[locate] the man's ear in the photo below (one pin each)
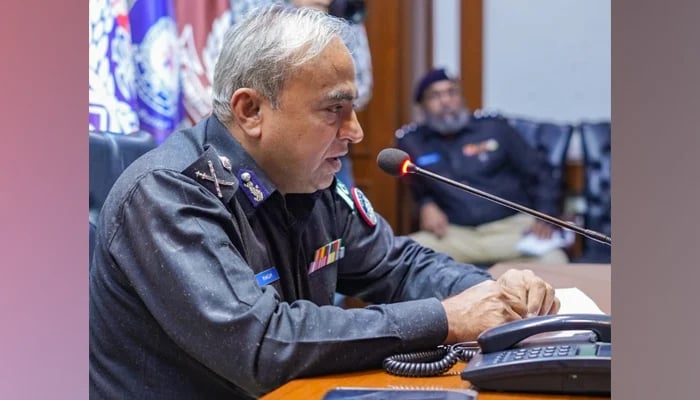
(246, 104)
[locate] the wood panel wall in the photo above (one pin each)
(471, 51)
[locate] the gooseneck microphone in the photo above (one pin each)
(397, 163)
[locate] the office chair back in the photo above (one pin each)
(549, 139)
(110, 154)
(596, 145)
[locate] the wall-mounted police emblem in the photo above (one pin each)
(112, 97)
(157, 62)
(364, 207)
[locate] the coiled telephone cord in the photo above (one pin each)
(430, 363)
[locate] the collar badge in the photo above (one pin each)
(255, 190)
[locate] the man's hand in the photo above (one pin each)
(433, 220)
(515, 295)
(541, 229)
(478, 308)
(532, 291)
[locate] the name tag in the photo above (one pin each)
(267, 277)
(427, 159)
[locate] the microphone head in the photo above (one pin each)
(392, 161)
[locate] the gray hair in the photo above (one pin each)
(266, 47)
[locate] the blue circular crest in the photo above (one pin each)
(364, 207)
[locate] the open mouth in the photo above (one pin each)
(335, 162)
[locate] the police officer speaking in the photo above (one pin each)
(218, 252)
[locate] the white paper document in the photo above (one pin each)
(532, 245)
(574, 301)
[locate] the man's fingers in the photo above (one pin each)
(535, 299)
(514, 314)
(515, 301)
(540, 298)
(547, 306)
(555, 306)
(515, 284)
(548, 303)
(527, 294)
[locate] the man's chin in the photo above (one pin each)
(320, 184)
(326, 183)
(448, 123)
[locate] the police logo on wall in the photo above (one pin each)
(158, 78)
(201, 47)
(112, 95)
(364, 207)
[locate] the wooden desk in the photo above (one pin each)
(592, 279)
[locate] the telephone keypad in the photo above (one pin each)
(534, 352)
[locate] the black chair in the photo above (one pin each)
(596, 145)
(110, 154)
(550, 139)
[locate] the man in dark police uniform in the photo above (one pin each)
(483, 151)
(218, 253)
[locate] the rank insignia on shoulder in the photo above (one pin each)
(405, 130)
(226, 163)
(344, 193)
(208, 171)
(211, 177)
(482, 113)
(364, 207)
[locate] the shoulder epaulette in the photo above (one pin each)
(482, 113)
(405, 130)
(213, 172)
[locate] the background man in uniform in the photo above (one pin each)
(483, 152)
(218, 253)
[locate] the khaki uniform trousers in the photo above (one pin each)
(488, 243)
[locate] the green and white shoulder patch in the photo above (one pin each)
(344, 193)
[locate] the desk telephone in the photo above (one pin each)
(508, 359)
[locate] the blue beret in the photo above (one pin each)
(428, 79)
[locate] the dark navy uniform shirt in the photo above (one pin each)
(208, 283)
(487, 154)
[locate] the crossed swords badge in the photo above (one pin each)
(212, 178)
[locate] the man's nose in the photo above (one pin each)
(351, 129)
(447, 102)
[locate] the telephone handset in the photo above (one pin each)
(574, 364)
(508, 358)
